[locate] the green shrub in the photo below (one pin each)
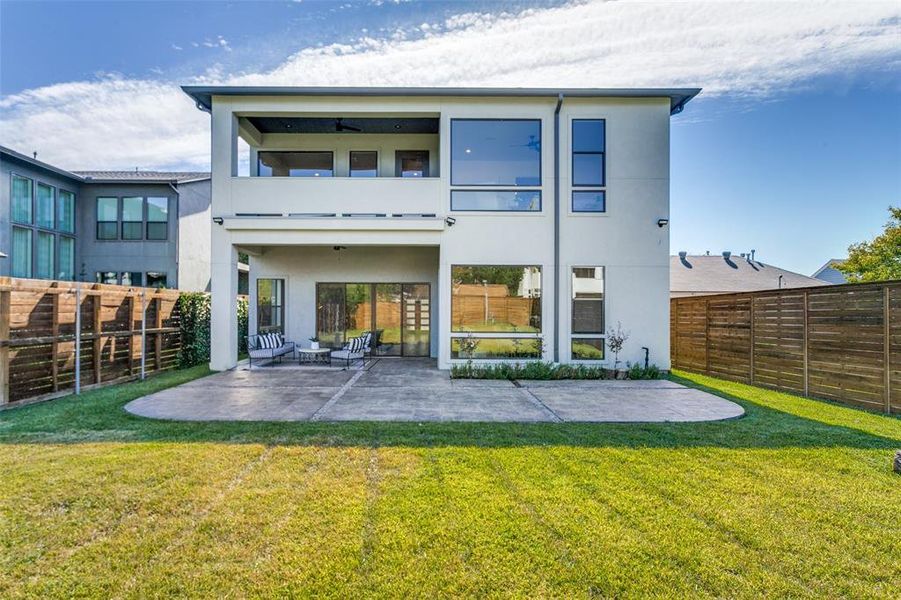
(194, 322)
(531, 370)
(637, 371)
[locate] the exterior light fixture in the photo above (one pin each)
(218, 220)
(662, 222)
(450, 221)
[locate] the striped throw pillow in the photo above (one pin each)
(275, 340)
(263, 342)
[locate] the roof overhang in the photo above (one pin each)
(203, 95)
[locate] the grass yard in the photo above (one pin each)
(795, 499)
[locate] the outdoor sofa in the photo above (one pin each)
(268, 346)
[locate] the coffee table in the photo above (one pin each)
(321, 356)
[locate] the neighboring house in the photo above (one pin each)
(727, 273)
(830, 273)
(459, 224)
(122, 227)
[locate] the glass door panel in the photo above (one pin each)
(330, 319)
(358, 308)
(416, 319)
(387, 340)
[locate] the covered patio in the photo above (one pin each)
(414, 390)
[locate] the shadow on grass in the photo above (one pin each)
(98, 416)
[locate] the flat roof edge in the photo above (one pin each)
(203, 95)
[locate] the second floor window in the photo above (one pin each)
(133, 218)
(107, 218)
(296, 164)
(22, 192)
(589, 167)
(364, 163)
(45, 206)
(411, 163)
(157, 218)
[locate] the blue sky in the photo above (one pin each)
(794, 149)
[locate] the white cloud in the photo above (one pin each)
(742, 49)
(177, 47)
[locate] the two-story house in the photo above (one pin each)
(461, 224)
(141, 228)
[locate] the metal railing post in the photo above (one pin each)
(143, 330)
(78, 338)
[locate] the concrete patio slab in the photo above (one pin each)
(414, 390)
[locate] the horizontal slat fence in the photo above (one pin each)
(839, 342)
(42, 322)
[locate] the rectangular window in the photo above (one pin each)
(157, 218)
(501, 152)
(44, 251)
(65, 211)
(21, 252)
(107, 218)
(270, 305)
(496, 200)
(22, 196)
(330, 314)
(156, 280)
(107, 277)
(587, 313)
(411, 163)
(45, 206)
(66, 267)
(589, 164)
(296, 164)
(594, 201)
(488, 348)
(132, 218)
(131, 278)
(496, 299)
(364, 164)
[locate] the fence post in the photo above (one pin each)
(98, 330)
(806, 345)
(751, 317)
(707, 337)
(4, 345)
(158, 340)
(54, 331)
(77, 338)
(887, 382)
(143, 331)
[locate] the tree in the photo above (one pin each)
(879, 259)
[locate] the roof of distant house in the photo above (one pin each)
(143, 176)
(110, 176)
(203, 95)
(831, 264)
(713, 274)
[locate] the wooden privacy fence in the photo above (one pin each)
(57, 336)
(840, 342)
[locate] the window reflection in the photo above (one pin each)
(495, 152)
(296, 164)
(364, 164)
(496, 299)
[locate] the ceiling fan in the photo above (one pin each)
(340, 126)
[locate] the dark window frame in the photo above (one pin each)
(97, 220)
(281, 305)
(540, 330)
(122, 221)
(330, 152)
(587, 335)
(74, 230)
(13, 175)
(587, 187)
(504, 185)
(148, 222)
(350, 163)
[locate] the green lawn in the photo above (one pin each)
(796, 499)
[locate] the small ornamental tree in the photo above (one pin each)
(616, 339)
(878, 259)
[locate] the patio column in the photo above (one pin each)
(224, 303)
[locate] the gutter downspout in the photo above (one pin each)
(177, 233)
(557, 228)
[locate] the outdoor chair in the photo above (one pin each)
(357, 348)
(268, 346)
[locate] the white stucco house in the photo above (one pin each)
(462, 224)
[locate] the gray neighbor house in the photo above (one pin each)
(140, 228)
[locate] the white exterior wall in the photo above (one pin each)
(626, 240)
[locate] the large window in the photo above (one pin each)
(22, 199)
(587, 341)
(65, 211)
(45, 206)
(132, 218)
(296, 164)
(589, 165)
(157, 218)
(496, 152)
(270, 305)
(495, 311)
(364, 163)
(21, 252)
(496, 200)
(66, 263)
(44, 254)
(107, 218)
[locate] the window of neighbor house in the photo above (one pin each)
(296, 164)
(45, 206)
(65, 211)
(132, 218)
(66, 263)
(21, 252)
(587, 342)
(22, 199)
(157, 218)
(107, 218)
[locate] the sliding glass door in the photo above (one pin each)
(398, 314)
